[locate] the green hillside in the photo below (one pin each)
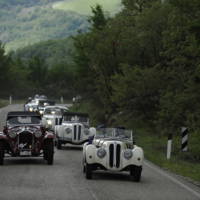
(27, 22)
(84, 6)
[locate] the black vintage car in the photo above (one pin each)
(24, 135)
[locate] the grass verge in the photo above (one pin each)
(3, 103)
(181, 163)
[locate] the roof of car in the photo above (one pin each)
(22, 113)
(76, 113)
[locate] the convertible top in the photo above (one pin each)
(75, 113)
(22, 113)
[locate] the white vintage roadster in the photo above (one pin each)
(74, 129)
(113, 149)
(53, 116)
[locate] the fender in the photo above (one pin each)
(3, 137)
(90, 153)
(138, 156)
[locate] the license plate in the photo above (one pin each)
(25, 153)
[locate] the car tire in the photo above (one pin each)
(88, 171)
(59, 145)
(49, 152)
(2, 152)
(84, 166)
(135, 173)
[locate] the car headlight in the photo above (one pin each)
(41, 112)
(68, 130)
(31, 109)
(38, 134)
(101, 153)
(86, 131)
(12, 134)
(128, 154)
(49, 122)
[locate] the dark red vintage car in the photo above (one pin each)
(24, 135)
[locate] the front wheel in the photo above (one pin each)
(59, 144)
(2, 152)
(49, 152)
(88, 171)
(135, 173)
(84, 163)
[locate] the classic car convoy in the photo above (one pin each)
(113, 149)
(35, 131)
(37, 104)
(74, 129)
(24, 135)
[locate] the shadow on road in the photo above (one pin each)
(24, 161)
(77, 148)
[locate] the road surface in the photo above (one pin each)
(33, 179)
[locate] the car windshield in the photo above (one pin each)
(53, 111)
(114, 133)
(19, 120)
(76, 118)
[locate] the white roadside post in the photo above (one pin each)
(10, 99)
(184, 139)
(61, 100)
(169, 146)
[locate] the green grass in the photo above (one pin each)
(3, 103)
(181, 163)
(84, 6)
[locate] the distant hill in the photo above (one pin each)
(84, 6)
(26, 22)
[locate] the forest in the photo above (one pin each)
(141, 66)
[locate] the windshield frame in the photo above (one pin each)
(17, 123)
(76, 119)
(114, 133)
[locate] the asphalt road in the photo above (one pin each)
(27, 179)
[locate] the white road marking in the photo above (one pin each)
(172, 179)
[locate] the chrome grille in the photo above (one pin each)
(57, 121)
(114, 155)
(77, 132)
(25, 138)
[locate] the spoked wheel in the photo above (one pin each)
(59, 144)
(88, 171)
(135, 173)
(2, 152)
(49, 152)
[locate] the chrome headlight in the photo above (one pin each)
(101, 153)
(38, 134)
(49, 122)
(31, 109)
(86, 131)
(128, 154)
(68, 130)
(12, 134)
(41, 112)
